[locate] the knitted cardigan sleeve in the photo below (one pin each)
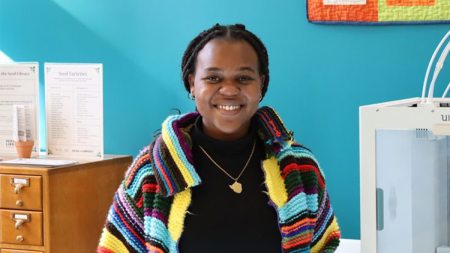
(326, 231)
(307, 221)
(124, 228)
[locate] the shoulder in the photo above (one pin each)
(302, 154)
(140, 169)
(296, 158)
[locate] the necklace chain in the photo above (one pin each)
(223, 170)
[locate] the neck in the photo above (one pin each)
(227, 146)
(226, 136)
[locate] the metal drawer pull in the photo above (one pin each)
(19, 183)
(17, 188)
(19, 203)
(20, 219)
(19, 223)
(19, 238)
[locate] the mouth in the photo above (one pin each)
(228, 107)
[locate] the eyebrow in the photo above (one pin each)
(214, 69)
(247, 69)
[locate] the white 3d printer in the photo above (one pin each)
(405, 171)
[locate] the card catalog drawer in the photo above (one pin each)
(20, 192)
(21, 227)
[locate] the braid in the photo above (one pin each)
(190, 55)
(236, 31)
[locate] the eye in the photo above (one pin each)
(245, 79)
(212, 79)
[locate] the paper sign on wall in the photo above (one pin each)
(19, 91)
(74, 109)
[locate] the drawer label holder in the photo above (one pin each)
(18, 183)
(20, 219)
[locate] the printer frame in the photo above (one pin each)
(407, 114)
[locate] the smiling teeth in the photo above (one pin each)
(228, 107)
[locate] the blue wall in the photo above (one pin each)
(320, 74)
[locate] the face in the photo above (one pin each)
(227, 87)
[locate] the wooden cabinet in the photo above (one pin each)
(57, 209)
(17, 251)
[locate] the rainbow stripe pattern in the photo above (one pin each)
(150, 206)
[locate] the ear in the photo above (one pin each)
(191, 83)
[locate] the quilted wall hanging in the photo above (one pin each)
(378, 11)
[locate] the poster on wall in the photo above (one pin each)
(378, 11)
(19, 88)
(74, 109)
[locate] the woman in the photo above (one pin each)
(229, 177)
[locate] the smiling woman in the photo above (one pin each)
(204, 184)
(227, 86)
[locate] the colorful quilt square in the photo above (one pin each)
(378, 11)
(411, 2)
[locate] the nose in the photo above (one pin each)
(229, 88)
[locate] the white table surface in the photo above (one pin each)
(349, 246)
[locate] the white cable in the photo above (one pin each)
(437, 70)
(431, 63)
(446, 90)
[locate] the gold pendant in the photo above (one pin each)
(236, 187)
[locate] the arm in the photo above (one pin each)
(326, 232)
(124, 228)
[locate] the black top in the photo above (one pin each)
(219, 219)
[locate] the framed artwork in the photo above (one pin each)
(378, 11)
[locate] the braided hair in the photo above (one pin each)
(237, 32)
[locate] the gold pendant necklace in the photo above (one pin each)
(235, 186)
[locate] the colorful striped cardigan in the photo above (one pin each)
(150, 206)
